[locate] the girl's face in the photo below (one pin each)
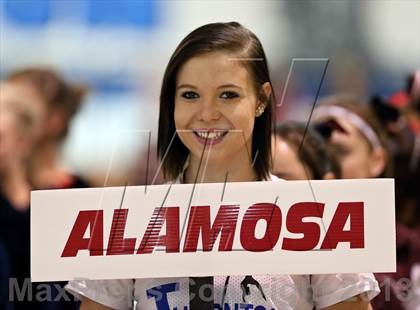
(286, 163)
(215, 104)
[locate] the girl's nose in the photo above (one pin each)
(209, 111)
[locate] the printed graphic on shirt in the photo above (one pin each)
(247, 295)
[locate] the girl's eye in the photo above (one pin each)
(229, 95)
(189, 95)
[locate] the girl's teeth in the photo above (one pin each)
(210, 135)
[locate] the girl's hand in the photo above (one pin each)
(89, 304)
(359, 302)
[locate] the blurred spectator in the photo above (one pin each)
(400, 115)
(360, 141)
(355, 136)
(62, 102)
(20, 128)
(300, 153)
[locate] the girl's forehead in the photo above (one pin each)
(216, 67)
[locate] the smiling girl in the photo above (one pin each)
(215, 126)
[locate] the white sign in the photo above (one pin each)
(287, 227)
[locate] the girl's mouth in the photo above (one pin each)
(210, 136)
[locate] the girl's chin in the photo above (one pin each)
(212, 157)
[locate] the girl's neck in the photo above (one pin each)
(216, 172)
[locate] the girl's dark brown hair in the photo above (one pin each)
(240, 42)
(310, 148)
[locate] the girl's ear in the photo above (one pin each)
(263, 98)
(265, 93)
(378, 161)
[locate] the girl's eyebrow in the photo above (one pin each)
(229, 85)
(186, 86)
(221, 86)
